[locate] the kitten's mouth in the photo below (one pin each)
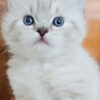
(41, 41)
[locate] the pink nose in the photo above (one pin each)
(42, 31)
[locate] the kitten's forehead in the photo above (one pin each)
(42, 9)
(36, 5)
(43, 3)
(48, 6)
(47, 3)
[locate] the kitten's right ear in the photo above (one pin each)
(10, 3)
(82, 3)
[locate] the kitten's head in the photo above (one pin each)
(43, 26)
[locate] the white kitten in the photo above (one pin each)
(49, 62)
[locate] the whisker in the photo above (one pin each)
(55, 37)
(29, 36)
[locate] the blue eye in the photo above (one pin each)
(58, 21)
(28, 20)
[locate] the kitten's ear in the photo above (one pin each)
(82, 3)
(11, 3)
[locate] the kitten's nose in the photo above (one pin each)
(42, 31)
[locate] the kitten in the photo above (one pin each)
(49, 62)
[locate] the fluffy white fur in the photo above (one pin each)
(62, 70)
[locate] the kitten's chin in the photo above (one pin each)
(42, 41)
(39, 50)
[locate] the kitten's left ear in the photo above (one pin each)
(82, 3)
(11, 3)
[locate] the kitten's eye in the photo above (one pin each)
(58, 21)
(28, 20)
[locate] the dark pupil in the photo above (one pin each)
(28, 20)
(58, 21)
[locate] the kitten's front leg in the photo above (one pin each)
(20, 92)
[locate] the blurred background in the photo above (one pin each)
(91, 43)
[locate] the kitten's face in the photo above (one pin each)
(43, 25)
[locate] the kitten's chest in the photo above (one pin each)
(33, 71)
(45, 77)
(37, 73)
(29, 72)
